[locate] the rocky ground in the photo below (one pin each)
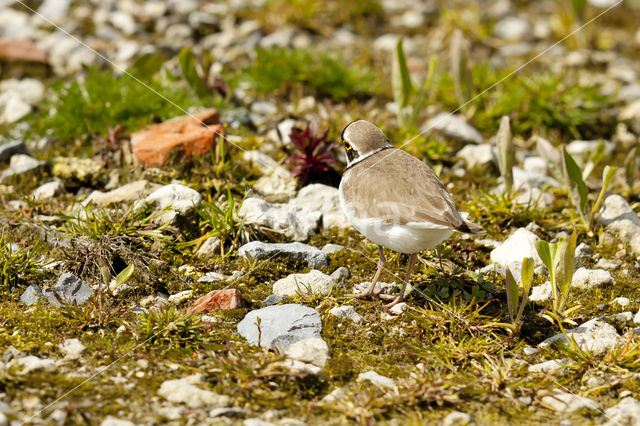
(172, 247)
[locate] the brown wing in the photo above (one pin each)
(400, 188)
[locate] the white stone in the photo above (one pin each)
(277, 187)
(33, 363)
(584, 278)
(180, 297)
(388, 42)
(550, 367)
(179, 199)
(336, 395)
(626, 412)
(399, 308)
(477, 155)
(520, 244)
(535, 165)
(30, 90)
(622, 301)
(512, 28)
(620, 222)
(312, 282)
(542, 292)
(72, 349)
(453, 126)
(636, 317)
(48, 190)
(126, 193)
(263, 162)
(12, 108)
(377, 379)
(299, 367)
(457, 418)
(313, 351)
(579, 148)
(209, 248)
(595, 336)
(324, 199)
(608, 264)
(185, 391)
(346, 312)
(3, 419)
(569, 403)
(114, 421)
(296, 223)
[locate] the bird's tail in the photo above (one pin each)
(470, 228)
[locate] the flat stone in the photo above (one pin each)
(589, 278)
(211, 277)
(9, 149)
(280, 325)
(298, 223)
(342, 273)
(225, 299)
(300, 368)
(277, 187)
(457, 418)
(625, 412)
(31, 295)
(185, 391)
(299, 251)
(622, 301)
(550, 367)
(48, 190)
(69, 290)
(84, 170)
(272, 299)
(377, 379)
(453, 126)
(621, 223)
(332, 248)
(13, 50)
(126, 193)
(72, 349)
(209, 248)
(153, 145)
(312, 282)
(512, 28)
(520, 244)
(114, 421)
(21, 164)
(595, 336)
(569, 403)
(314, 351)
(180, 297)
(579, 148)
(31, 363)
(346, 312)
(477, 155)
(179, 199)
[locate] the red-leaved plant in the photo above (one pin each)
(315, 161)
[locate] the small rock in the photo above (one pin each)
(621, 222)
(277, 187)
(520, 244)
(453, 126)
(72, 349)
(9, 149)
(636, 318)
(568, 403)
(583, 251)
(399, 308)
(195, 134)
(272, 299)
(477, 155)
(336, 395)
(301, 368)
(68, 290)
(12, 353)
(608, 264)
(211, 277)
(381, 287)
(529, 350)
(346, 312)
(130, 192)
(295, 222)
(312, 282)
(259, 250)
(550, 367)
(31, 363)
(179, 199)
(588, 278)
(225, 299)
(186, 392)
(3, 419)
(21, 164)
(313, 351)
(512, 28)
(626, 412)
(622, 301)
(377, 379)
(332, 248)
(114, 421)
(83, 170)
(580, 148)
(180, 297)
(342, 273)
(280, 325)
(209, 248)
(48, 190)
(31, 295)
(457, 418)
(595, 336)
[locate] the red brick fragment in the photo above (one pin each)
(152, 145)
(230, 298)
(14, 50)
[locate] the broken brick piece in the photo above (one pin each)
(217, 299)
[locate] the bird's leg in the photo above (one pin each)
(400, 298)
(382, 263)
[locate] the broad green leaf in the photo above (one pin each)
(124, 275)
(187, 61)
(400, 79)
(527, 274)
(544, 251)
(506, 153)
(566, 266)
(512, 293)
(147, 65)
(572, 171)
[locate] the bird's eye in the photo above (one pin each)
(347, 145)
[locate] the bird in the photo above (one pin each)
(394, 199)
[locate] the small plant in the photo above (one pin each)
(278, 69)
(170, 327)
(199, 76)
(315, 161)
(403, 88)
(506, 153)
(559, 259)
(16, 263)
(514, 303)
(578, 192)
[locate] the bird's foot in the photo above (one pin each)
(398, 299)
(365, 295)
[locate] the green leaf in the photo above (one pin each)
(512, 293)
(572, 171)
(578, 6)
(187, 61)
(400, 79)
(124, 275)
(506, 154)
(544, 251)
(566, 267)
(607, 176)
(527, 274)
(147, 65)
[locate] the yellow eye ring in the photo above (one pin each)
(347, 145)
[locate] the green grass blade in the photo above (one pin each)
(400, 79)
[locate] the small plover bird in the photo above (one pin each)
(394, 199)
